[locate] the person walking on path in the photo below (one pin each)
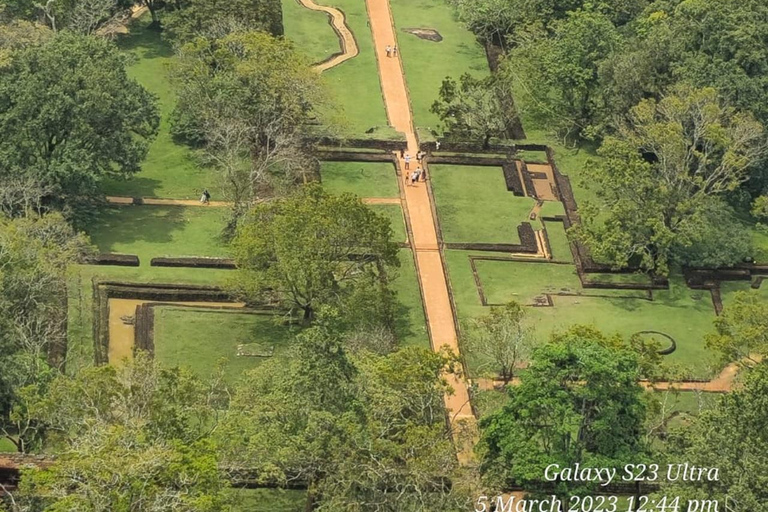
(389, 51)
(206, 197)
(407, 161)
(394, 51)
(423, 174)
(415, 176)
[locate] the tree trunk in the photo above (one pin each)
(152, 12)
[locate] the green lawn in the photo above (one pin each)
(374, 179)
(310, 31)
(269, 500)
(682, 313)
(152, 231)
(558, 242)
(395, 215)
(411, 326)
(201, 339)
(474, 205)
(170, 169)
(428, 63)
(353, 87)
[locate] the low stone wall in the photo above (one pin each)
(194, 262)
(114, 259)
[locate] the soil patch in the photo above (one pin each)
(429, 34)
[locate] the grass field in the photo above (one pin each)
(152, 231)
(374, 179)
(269, 500)
(411, 326)
(202, 339)
(428, 63)
(355, 99)
(395, 215)
(684, 314)
(170, 169)
(474, 205)
(310, 31)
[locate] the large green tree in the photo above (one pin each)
(501, 338)
(35, 255)
(134, 438)
(557, 74)
(731, 437)
(475, 109)
(247, 99)
(662, 180)
(214, 19)
(578, 401)
(314, 249)
(364, 433)
(741, 331)
(70, 117)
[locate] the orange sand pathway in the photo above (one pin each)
(429, 261)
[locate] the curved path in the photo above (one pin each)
(347, 40)
(429, 262)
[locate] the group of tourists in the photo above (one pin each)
(391, 50)
(419, 174)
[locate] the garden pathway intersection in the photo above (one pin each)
(429, 262)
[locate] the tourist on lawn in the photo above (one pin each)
(407, 161)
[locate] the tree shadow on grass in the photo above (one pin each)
(144, 41)
(125, 225)
(132, 187)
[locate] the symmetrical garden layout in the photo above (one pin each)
(486, 227)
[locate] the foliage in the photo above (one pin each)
(503, 338)
(246, 98)
(730, 437)
(128, 439)
(578, 401)
(364, 430)
(314, 249)
(475, 108)
(741, 331)
(214, 19)
(660, 182)
(558, 74)
(498, 20)
(69, 117)
(35, 253)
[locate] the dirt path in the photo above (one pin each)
(429, 261)
(154, 201)
(347, 40)
(723, 383)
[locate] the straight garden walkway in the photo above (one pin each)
(429, 261)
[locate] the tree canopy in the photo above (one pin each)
(247, 99)
(35, 253)
(70, 117)
(578, 401)
(214, 19)
(362, 430)
(661, 183)
(314, 249)
(730, 436)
